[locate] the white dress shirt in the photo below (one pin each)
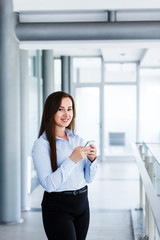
(69, 175)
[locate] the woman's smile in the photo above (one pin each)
(64, 115)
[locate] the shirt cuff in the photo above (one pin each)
(92, 163)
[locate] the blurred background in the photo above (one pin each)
(106, 55)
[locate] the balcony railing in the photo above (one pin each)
(147, 156)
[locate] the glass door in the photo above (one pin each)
(87, 113)
(106, 105)
(120, 120)
(86, 91)
(120, 110)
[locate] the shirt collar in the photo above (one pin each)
(67, 130)
(68, 133)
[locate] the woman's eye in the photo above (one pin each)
(60, 109)
(69, 109)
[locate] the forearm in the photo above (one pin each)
(90, 170)
(51, 181)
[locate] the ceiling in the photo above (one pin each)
(146, 52)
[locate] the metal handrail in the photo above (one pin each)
(153, 200)
(152, 151)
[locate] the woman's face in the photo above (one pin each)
(64, 115)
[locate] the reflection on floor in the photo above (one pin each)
(112, 195)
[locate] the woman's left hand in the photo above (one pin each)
(93, 153)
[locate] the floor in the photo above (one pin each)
(112, 195)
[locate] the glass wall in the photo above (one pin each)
(120, 72)
(86, 92)
(33, 96)
(57, 74)
(149, 105)
(86, 70)
(34, 109)
(117, 106)
(120, 119)
(120, 108)
(88, 113)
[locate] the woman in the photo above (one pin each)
(64, 166)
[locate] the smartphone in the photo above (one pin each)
(89, 143)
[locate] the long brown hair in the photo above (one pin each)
(51, 106)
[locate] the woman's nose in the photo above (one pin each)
(65, 113)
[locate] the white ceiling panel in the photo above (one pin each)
(20, 5)
(122, 54)
(151, 58)
(147, 52)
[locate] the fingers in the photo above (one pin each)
(89, 151)
(93, 153)
(93, 149)
(83, 151)
(86, 150)
(78, 154)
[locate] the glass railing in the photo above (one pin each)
(148, 161)
(152, 151)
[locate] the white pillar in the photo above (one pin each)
(24, 128)
(47, 73)
(66, 74)
(10, 204)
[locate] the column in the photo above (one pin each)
(102, 120)
(47, 73)
(24, 128)
(66, 74)
(10, 204)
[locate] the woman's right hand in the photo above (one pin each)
(79, 153)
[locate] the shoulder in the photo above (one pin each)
(41, 143)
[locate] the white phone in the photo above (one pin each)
(89, 143)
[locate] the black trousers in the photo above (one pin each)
(65, 217)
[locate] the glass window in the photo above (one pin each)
(33, 98)
(120, 72)
(34, 110)
(87, 114)
(57, 75)
(86, 70)
(149, 105)
(120, 119)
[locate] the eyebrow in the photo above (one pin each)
(64, 107)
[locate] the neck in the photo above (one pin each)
(60, 132)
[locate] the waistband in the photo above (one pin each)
(75, 192)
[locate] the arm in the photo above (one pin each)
(91, 165)
(90, 170)
(50, 180)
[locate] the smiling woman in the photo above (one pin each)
(64, 115)
(64, 167)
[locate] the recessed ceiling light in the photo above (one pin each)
(122, 54)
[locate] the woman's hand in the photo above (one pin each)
(79, 153)
(92, 153)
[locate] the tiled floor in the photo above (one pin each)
(113, 193)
